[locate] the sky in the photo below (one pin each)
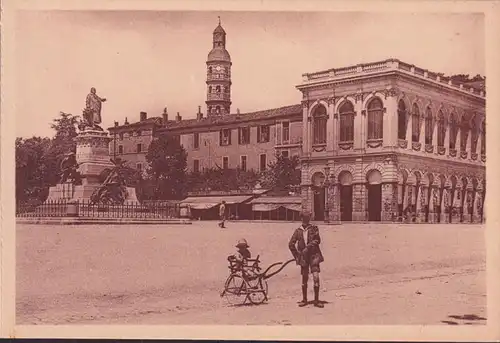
(149, 60)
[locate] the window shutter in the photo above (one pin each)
(220, 137)
(278, 134)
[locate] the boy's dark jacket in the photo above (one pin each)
(306, 251)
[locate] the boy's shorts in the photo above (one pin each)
(314, 268)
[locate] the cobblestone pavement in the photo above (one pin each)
(373, 274)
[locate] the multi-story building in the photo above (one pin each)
(377, 141)
(387, 138)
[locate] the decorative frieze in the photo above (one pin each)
(483, 157)
(374, 143)
(346, 145)
(441, 150)
(453, 152)
(473, 156)
(416, 146)
(403, 143)
(429, 148)
(463, 154)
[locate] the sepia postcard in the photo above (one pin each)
(252, 170)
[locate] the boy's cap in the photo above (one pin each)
(306, 214)
(242, 242)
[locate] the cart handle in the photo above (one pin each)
(264, 276)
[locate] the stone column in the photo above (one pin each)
(478, 203)
(422, 134)
(458, 140)
(330, 133)
(335, 139)
(306, 144)
(447, 140)
(478, 146)
(445, 205)
(390, 123)
(468, 145)
(389, 201)
(334, 212)
(468, 204)
(457, 203)
(409, 125)
(422, 203)
(358, 126)
(435, 137)
(433, 203)
(400, 192)
(359, 202)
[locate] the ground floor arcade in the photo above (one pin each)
(392, 188)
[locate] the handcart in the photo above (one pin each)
(247, 282)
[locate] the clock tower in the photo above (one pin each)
(218, 75)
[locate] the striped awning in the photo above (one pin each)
(204, 202)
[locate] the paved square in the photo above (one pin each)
(373, 274)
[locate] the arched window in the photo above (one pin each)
(210, 70)
(209, 89)
(464, 133)
(375, 119)
(453, 132)
(226, 89)
(441, 129)
(217, 109)
(415, 124)
(429, 126)
(401, 120)
(217, 89)
(319, 125)
(346, 114)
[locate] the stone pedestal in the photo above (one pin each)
(61, 191)
(92, 155)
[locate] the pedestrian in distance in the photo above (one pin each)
(304, 245)
(222, 214)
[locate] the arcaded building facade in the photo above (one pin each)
(388, 140)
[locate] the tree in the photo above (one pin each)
(62, 143)
(282, 174)
(167, 168)
(31, 170)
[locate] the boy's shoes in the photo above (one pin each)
(318, 304)
(302, 303)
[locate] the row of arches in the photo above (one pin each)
(411, 121)
(416, 197)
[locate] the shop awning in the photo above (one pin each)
(204, 203)
(265, 207)
(270, 203)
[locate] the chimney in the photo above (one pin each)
(178, 117)
(199, 115)
(116, 123)
(165, 116)
(237, 111)
(126, 121)
(143, 116)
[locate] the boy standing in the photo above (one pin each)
(307, 254)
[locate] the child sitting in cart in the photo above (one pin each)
(242, 256)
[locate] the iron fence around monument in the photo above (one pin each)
(86, 209)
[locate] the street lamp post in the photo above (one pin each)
(326, 185)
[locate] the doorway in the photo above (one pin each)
(345, 195)
(346, 203)
(374, 189)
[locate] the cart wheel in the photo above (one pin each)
(257, 293)
(235, 290)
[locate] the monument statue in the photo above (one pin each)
(114, 189)
(69, 168)
(92, 112)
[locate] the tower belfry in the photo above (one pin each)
(218, 75)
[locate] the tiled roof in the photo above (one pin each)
(152, 120)
(236, 118)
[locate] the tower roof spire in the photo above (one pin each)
(219, 19)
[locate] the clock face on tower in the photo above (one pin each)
(218, 68)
